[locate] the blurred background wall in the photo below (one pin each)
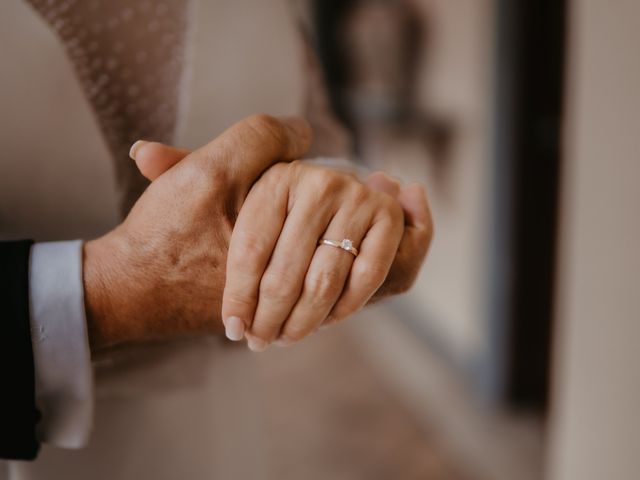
(595, 426)
(453, 69)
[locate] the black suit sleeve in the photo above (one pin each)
(18, 413)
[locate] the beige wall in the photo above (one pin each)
(455, 75)
(61, 181)
(595, 429)
(246, 58)
(456, 83)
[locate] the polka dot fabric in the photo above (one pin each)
(129, 57)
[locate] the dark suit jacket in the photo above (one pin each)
(18, 413)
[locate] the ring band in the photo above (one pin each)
(346, 245)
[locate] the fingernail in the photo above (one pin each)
(234, 329)
(257, 344)
(136, 147)
(283, 342)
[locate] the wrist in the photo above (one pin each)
(104, 277)
(132, 295)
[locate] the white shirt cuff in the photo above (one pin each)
(62, 359)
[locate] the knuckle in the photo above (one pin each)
(266, 323)
(246, 248)
(239, 299)
(265, 327)
(360, 193)
(278, 170)
(268, 128)
(327, 181)
(351, 176)
(324, 286)
(391, 208)
(200, 174)
(278, 286)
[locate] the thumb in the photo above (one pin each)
(248, 148)
(153, 158)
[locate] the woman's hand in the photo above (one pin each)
(280, 284)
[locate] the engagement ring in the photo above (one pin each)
(345, 244)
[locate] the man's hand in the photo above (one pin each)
(279, 285)
(162, 271)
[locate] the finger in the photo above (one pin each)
(254, 237)
(415, 242)
(327, 274)
(371, 267)
(413, 200)
(245, 150)
(381, 182)
(153, 158)
(284, 276)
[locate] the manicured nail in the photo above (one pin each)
(257, 344)
(135, 147)
(234, 328)
(283, 341)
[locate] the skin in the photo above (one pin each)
(280, 285)
(161, 273)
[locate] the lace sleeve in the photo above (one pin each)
(128, 56)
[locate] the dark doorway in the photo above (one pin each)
(530, 64)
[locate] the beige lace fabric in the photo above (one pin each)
(128, 56)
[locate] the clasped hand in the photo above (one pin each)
(227, 237)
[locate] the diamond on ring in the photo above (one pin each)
(345, 244)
